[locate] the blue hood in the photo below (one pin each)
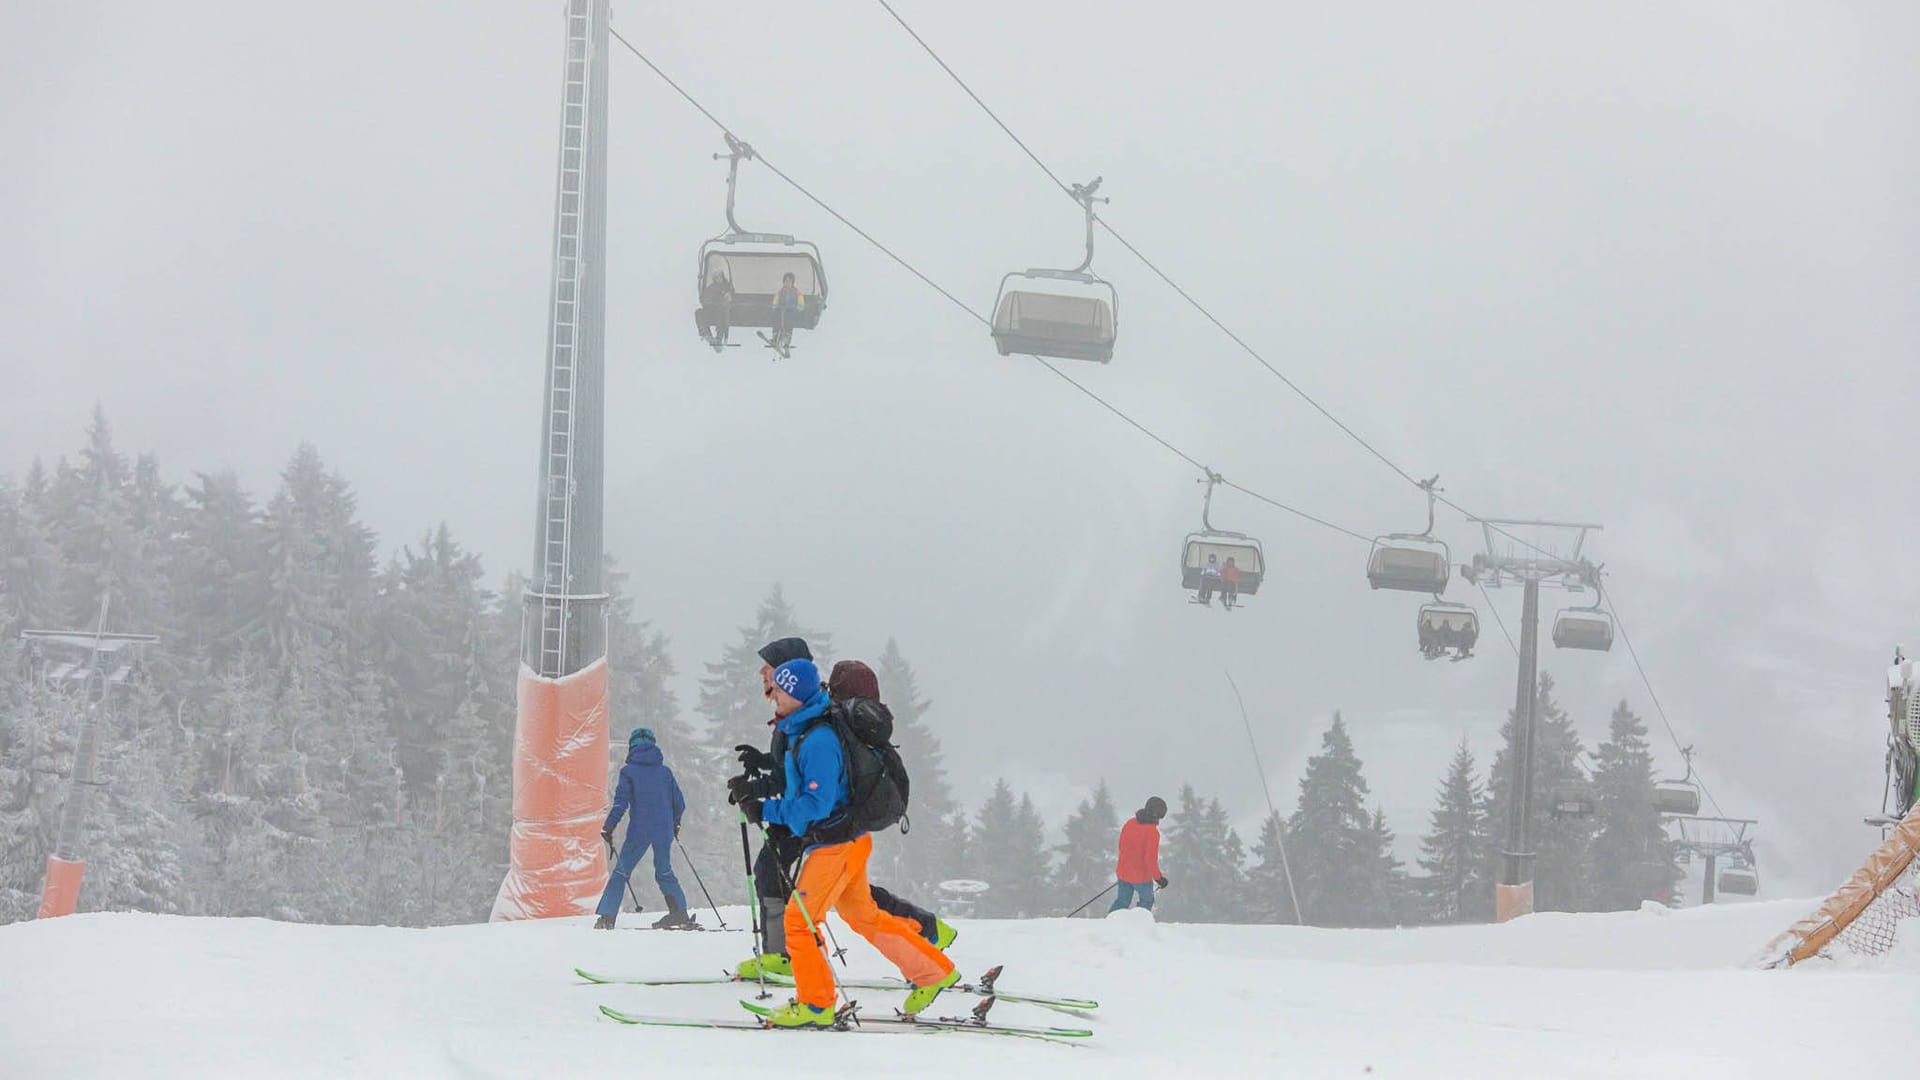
(645, 753)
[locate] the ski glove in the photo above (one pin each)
(607, 835)
(753, 759)
(1161, 881)
(751, 807)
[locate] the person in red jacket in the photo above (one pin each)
(1138, 867)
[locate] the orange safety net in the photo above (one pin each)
(61, 894)
(1841, 911)
(557, 864)
(1512, 901)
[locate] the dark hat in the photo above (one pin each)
(1156, 808)
(775, 653)
(853, 679)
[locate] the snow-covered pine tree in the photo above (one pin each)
(1561, 868)
(1202, 856)
(1268, 899)
(1086, 857)
(1009, 853)
(1453, 852)
(1632, 857)
(930, 853)
(1332, 838)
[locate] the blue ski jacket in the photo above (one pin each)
(816, 776)
(648, 787)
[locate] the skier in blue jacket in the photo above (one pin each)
(647, 787)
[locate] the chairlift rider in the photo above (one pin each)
(788, 304)
(714, 315)
(1210, 579)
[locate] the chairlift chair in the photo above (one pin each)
(1411, 562)
(754, 265)
(1443, 626)
(1408, 563)
(1677, 798)
(1572, 800)
(1740, 881)
(1243, 551)
(1583, 628)
(1067, 314)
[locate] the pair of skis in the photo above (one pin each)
(986, 986)
(851, 1020)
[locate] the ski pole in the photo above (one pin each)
(630, 896)
(1091, 899)
(786, 883)
(702, 884)
(812, 927)
(753, 908)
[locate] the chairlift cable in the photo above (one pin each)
(955, 300)
(1658, 708)
(1193, 301)
(1497, 620)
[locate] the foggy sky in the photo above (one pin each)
(1653, 267)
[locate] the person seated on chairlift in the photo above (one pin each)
(714, 316)
(1209, 578)
(786, 309)
(1230, 583)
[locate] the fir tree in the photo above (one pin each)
(1343, 867)
(1632, 858)
(1009, 853)
(930, 853)
(1561, 871)
(1269, 897)
(1086, 859)
(1453, 853)
(1202, 859)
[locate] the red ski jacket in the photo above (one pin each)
(1139, 853)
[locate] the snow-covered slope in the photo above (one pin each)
(1640, 994)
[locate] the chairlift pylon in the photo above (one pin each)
(1231, 563)
(1067, 314)
(742, 273)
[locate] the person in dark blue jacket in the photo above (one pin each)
(647, 787)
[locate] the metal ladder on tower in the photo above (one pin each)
(557, 552)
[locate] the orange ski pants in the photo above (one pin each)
(834, 878)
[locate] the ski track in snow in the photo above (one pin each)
(1637, 994)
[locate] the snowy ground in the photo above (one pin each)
(1642, 994)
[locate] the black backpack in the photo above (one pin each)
(877, 784)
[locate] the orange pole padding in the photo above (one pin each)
(1512, 901)
(556, 862)
(61, 894)
(1807, 937)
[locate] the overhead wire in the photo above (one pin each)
(1193, 301)
(1248, 348)
(1627, 640)
(904, 264)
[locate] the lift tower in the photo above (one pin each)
(1506, 561)
(556, 863)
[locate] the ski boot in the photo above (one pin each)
(796, 1015)
(766, 965)
(676, 917)
(923, 996)
(943, 934)
(604, 922)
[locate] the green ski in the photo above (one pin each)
(985, 987)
